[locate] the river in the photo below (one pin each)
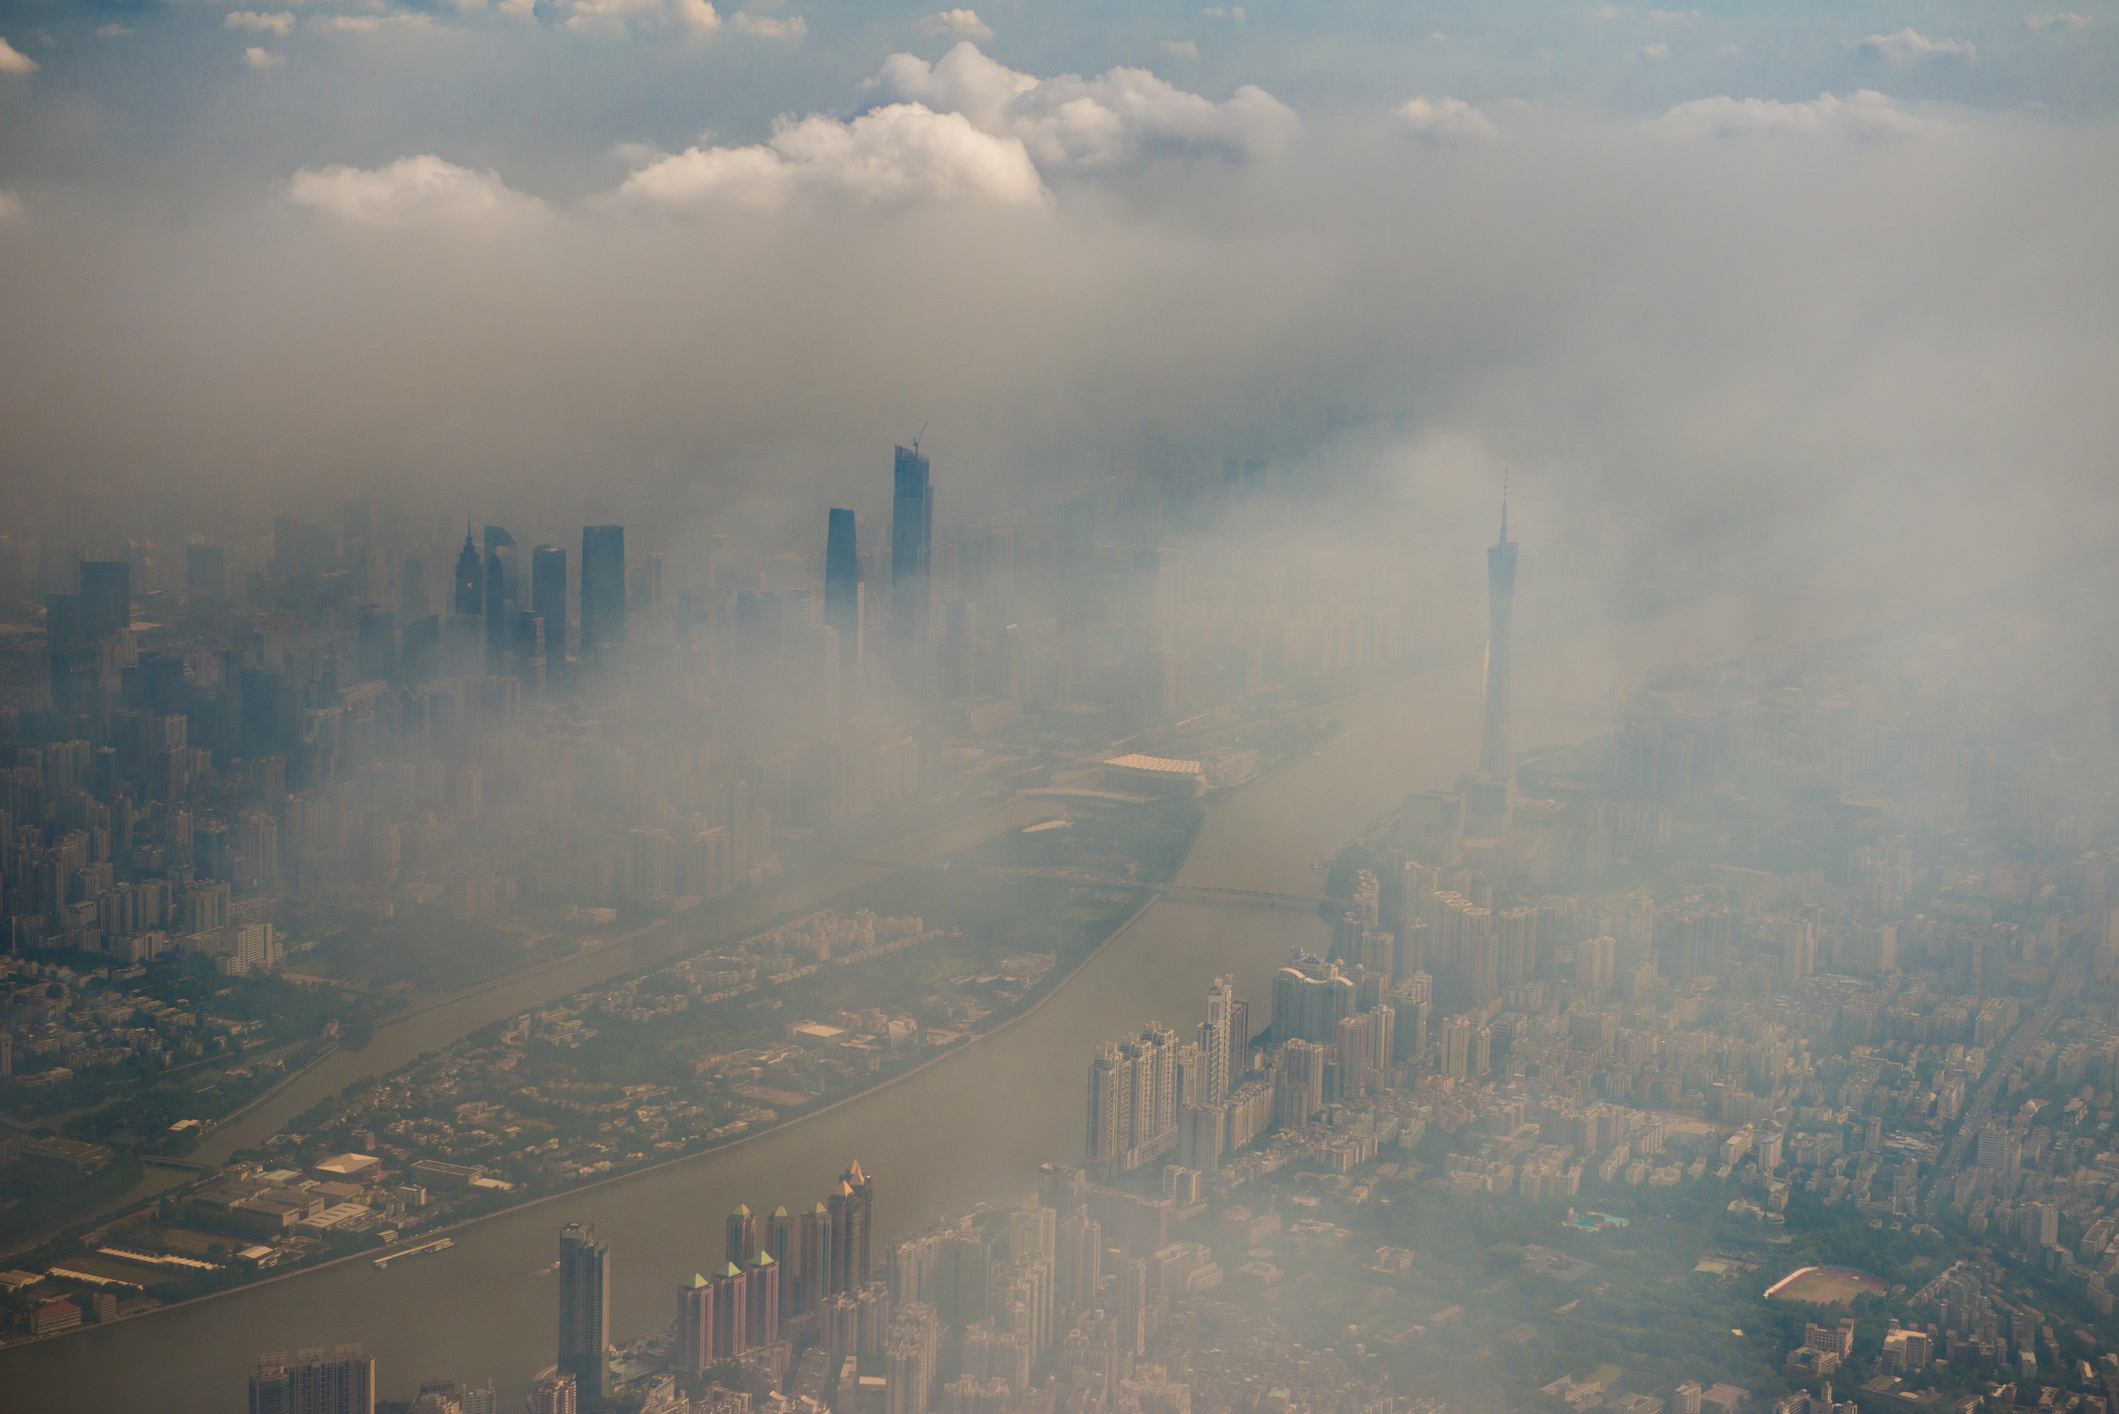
(971, 1127)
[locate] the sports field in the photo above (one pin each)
(1826, 1286)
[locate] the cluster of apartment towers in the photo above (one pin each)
(775, 1269)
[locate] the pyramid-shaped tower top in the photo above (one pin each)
(729, 1269)
(696, 1282)
(763, 1259)
(822, 1211)
(742, 1211)
(854, 1174)
(780, 1212)
(845, 1189)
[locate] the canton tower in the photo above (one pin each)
(1497, 755)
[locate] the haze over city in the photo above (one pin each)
(774, 708)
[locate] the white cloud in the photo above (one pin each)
(1865, 115)
(373, 24)
(787, 31)
(1657, 50)
(1070, 121)
(281, 23)
(1445, 120)
(965, 24)
(900, 153)
(697, 18)
(2066, 19)
(14, 61)
(112, 32)
(1232, 13)
(263, 58)
(1908, 46)
(412, 193)
(1178, 49)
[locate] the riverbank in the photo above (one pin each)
(716, 1150)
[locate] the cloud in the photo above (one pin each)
(697, 18)
(112, 32)
(1863, 116)
(965, 24)
(1231, 13)
(787, 31)
(2066, 19)
(1657, 50)
(263, 58)
(1910, 46)
(404, 20)
(413, 193)
(1178, 49)
(14, 61)
(281, 23)
(1072, 122)
(902, 153)
(1445, 120)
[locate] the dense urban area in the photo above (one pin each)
(1758, 1052)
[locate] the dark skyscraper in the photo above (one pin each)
(780, 1241)
(842, 585)
(602, 587)
(205, 571)
(911, 548)
(585, 1309)
(815, 1280)
(106, 598)
(548, 598)
(470, 597)
(852, 1206)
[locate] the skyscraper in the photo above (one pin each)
(852, 1208)
(815, 1283)
(1214, 1046)
(548, 598)
(761, 1319)
(470, 593)
(585, 1309)
(842, 585)
(742, 1235)
(695, 1325)
(911, 548)
(106, 598)
(731, 1306)
(602, 587)
(1490, 799)
(780, 1241)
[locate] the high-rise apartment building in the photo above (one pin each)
(553, 1394)
(324, 1380)
(602, 587)
(843, 607)
(694, 1353)
(742, 1236)
(1310, 1008)
(1215, 1045)
(585, 1309)
(815, 1269)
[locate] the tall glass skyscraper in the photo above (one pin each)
(602, 586)
(1497, 752)
(911, 548)
(585, 1309)
(548, 598)
(842, 585)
